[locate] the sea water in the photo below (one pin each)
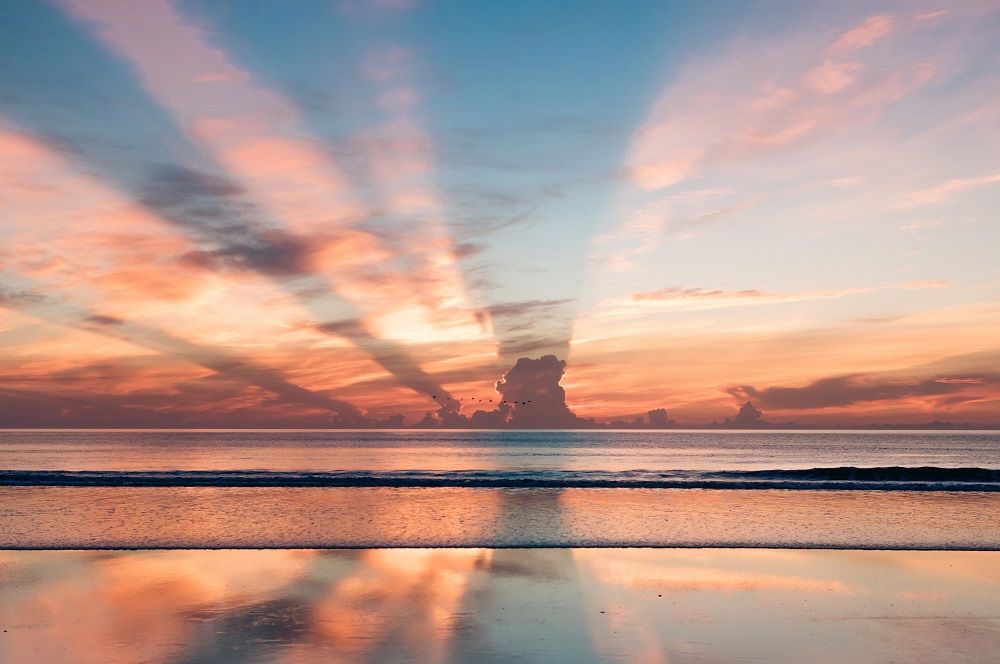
(289, 489)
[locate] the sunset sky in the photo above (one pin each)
(330, 212)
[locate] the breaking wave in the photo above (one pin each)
(851, 478)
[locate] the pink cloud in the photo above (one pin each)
(705, 298)
(947, 189)
(117, 252)
(831, 76)
(870, 31)
(788, 93)
(930, 16)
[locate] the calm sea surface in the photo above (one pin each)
(232, 489)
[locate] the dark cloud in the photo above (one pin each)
(13, 298)
(850, 389)
(747, 417)
(100, 319)
(466, 249)
(748, 414)
(658, 418)
(345, 327)
(278, 254)
(229, 227)
(538, 400)
(198, 194)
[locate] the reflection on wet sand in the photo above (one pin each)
(436, 605)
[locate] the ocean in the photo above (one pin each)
(361, 489)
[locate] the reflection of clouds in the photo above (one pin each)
(246, 574)
(497, 605)
(688, 578)
(685, 571)
(140, 606)
(720, 604)
(130, 607)
(401, 602)
(979, 567)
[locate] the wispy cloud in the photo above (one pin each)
(794, 94)
(704, 298)
(947, 189)
(870, 31)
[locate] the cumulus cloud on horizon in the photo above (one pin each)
(530, 397)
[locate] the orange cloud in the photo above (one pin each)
(72, 233)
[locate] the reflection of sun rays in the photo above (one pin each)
(112, 598)
(678, 578)
(399, 601)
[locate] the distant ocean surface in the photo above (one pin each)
(842, 489)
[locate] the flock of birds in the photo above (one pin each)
(523, 403)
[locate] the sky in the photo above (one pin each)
(364, 212)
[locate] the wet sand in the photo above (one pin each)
(488, 605)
